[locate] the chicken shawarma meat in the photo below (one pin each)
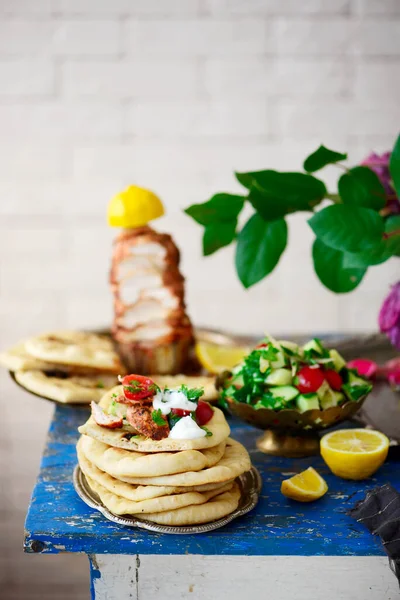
(151, 328)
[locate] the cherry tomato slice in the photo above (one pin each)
(138, 387)
(204, 413)
(180, 412)
(309, 380)
(334, 379)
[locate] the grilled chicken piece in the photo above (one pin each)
(151, 328)
(139, 416)
(103, 419)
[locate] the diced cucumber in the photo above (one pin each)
(355, 380)
(238, 380)
(286, 392)
(289, 347)
(356, 391)
(338, 360)
(307, 402)
(279, 377)
(264, 364)
(315, 345)
(327, 397)
(279, 361)
(340, 398)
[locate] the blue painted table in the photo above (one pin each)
(285, 547)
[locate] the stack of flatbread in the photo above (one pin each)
(66, 366)
(78, 367)
(170, 481)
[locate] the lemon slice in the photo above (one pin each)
(354, 453)
(304, 487)
(134, 207)
(216, 358)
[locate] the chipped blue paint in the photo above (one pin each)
(94, 574)
(59, 521)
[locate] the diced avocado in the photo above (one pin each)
(307, 402)
(289, 347)
(315, 345)
(338, 360)
(279, 377)
(286, 392)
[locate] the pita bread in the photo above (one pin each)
(234, 462)
(122, 438)
(19, 359)
(119, 463)
(137, 493)
(76, 348)
(207, 382)
(122, 506)
(216, 508)
(69, 388)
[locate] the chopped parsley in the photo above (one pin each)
(158, 418)
(208, 432)
(100, 384)
(192, 394)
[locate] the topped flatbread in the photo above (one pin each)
(66, 387)
(76, 348)
(126, 437)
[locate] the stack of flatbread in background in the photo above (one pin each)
(78, 367)
(170, 481)
(66, 366)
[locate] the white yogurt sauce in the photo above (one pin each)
(186, 429)
(169, 399)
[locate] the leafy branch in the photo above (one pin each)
(355, 231)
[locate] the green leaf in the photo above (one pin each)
(322, 157)
(379, 253)
(259, 248)
(274, 194)
(218, 235)
(221, 208)
(158, 418)
(348, 228)
(329, 266)
(362, 187)
(394, 166)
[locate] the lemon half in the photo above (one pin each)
(354, 453)
(134, 207)
(216, 358)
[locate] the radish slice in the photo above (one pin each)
(364, 367)
(103, 419)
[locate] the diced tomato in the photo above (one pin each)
(309, 380)
(262, 345)
(138, 387)
(204, 413)
(334, 379)
(180, 412)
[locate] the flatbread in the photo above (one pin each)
(235, 461)
(120, 463)
(121, 438)
(76, 348)
(137, 493)
(122, 506)
(207, 382)
(216, 508)
(18, 358)
(69, 388)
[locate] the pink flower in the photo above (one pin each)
(389, 315)
(380, 165)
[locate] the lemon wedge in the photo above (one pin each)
(354, 453)
(134, 207)
(216, 358)
(304, 487)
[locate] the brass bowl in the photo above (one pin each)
(289, 432)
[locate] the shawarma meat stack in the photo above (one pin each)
(161, 455)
